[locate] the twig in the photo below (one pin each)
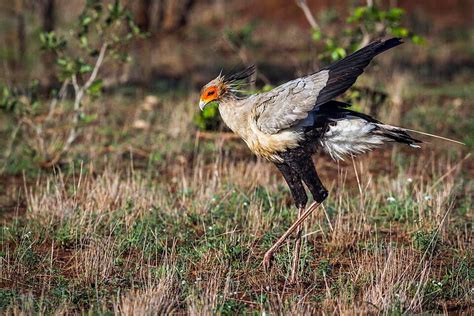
(55, 100)
(74, 84)
(79, 95)
(365, 37)
(307, 13)
(98, 63)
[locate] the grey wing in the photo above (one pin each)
(289, 104)
(296, 102)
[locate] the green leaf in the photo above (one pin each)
(341, 52)
(84, 41)
(86, 20)
(416, 39)
(88, 118)
(338, 53)
(96, 88)
(135, 29)
(316, 35)
(210, 111)
(62, 61)
(400, 32)
(50, 41)
(395, 13)
(43, 38)
(208, 119)
(358, 14)
(85, 68)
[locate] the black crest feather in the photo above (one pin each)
(241, 75)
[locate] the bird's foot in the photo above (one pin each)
(267, 260)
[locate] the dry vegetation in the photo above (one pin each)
(159, 220)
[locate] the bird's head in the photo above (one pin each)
(213, 91)
(224, 86)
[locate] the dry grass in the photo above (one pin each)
(121, 242)
(156, 220)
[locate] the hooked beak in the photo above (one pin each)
(202, 104)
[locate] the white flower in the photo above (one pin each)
(391, 199)
(409, 180)
(428, 197)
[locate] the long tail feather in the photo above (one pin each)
(432, 135)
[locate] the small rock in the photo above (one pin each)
(141, 124)
(150, 102)
(457, 102)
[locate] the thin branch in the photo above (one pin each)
(56, 99)
(79, 95)
(365, 37)
(307, 12)
(98, 63)
(75, 84)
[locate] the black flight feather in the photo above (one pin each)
(344, 73)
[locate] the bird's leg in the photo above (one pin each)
(299, 196)
(269, 254)
(296, 254)
(305, 168)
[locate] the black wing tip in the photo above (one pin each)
(383, 45)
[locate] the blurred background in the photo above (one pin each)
(158, 53)
(189, 41)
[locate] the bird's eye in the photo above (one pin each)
(210, 93)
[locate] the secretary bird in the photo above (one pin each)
(290, 123)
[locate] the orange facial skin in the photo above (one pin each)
(210, 94)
